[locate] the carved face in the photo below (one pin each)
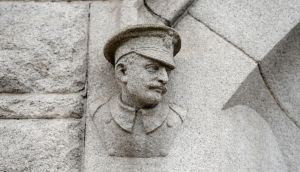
(146, 80)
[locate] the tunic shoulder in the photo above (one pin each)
(96, 105)
(176, 115)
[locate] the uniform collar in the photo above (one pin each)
(124, 115)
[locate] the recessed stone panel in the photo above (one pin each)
(43, 47)
(208, 71)
(103, 25)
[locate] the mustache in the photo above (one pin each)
(163, 88)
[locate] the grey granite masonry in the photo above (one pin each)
(75, 96)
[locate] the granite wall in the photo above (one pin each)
(238, 74)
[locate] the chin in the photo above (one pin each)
(153, 98)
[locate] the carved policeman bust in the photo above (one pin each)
(136, 123)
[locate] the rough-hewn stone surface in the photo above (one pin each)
(41, 106)
(41, 145)
(43, 47)
(254, 94)
(43, 50)
(255, 26)
(204, 80)
(281, 69)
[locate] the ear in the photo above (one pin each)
(121, 72)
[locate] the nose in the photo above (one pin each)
(163, 75)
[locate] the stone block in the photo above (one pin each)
(41, 106)
(43, 47)
(41, 145)
(254, 26)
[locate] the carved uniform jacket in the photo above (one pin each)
(137, 133)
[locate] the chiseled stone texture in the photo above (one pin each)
(204, 80)
(281, 69)
(43, 47)
(41, 145)
(41, 106)
(254, 94)
(169, 10)
(253, 25)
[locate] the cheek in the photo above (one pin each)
(139, 77)
(136, 83)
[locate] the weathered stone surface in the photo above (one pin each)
(43, 47)
(254, 94)
(41, 145)
(255, 26)
(41, 106)
(203, 81)
(169, 10)
(281, 69)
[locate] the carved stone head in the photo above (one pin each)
(143, 57)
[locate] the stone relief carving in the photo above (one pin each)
(136, 123)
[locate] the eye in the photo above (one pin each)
(152, 67)
(168, 71)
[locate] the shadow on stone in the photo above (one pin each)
(281, 71)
